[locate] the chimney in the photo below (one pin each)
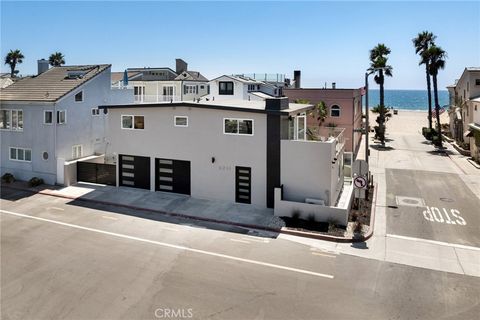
(296, 79)
(180, 66)
(42, 66)
(334, 85)
(276, 104)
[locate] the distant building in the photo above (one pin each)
(5, 80)
(464, 111)
(344, 110)
(245, 87)
(163, 84)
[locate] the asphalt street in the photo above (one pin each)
(61, 260)
(432, 205)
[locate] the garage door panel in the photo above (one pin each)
(134, 171)
(172, 176)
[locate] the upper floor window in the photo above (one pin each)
(95, 112)
(20, 154)
(181, 121)
(477, 82)
(190, 89)
(77, 151)
(48, 117)
(238, 126)
(61, 116)
(225, 87)
(133, 122)
(11, 120)
(335, 111)
(79, 97)
(251, 87)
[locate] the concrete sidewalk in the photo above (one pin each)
(168, 203)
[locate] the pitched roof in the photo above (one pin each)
(51, 85)
(191, 75)
(118, 76)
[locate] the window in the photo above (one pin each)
(17, 120)
(225, 88)
(335, 111)
(202, 87)
(238, 126)
(95, 112)
(133, 122)
(181, 121)
(20, 154)
(77, 151)
(11, 120)
(48, 117)
(79, 97)
(5, 119)
(477, 82)
(61, 116)
(190, 89)
(251, 87)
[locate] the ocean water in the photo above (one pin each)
(407, 99)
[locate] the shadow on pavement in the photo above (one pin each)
(379, 147)
(173, 219)
(359, 245)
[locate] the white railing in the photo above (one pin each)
(322, 134)
(156, 98)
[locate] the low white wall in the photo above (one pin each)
(285, 208)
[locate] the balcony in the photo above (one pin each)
(320, 134)
(156, 98)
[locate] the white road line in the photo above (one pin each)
(213, 254)
(237, 240)
(447, 244)
(323, 254)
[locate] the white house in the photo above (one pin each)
(230, 150)
(164, 84)
(240, 87)
(52, 118)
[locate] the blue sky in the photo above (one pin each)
(328, 41)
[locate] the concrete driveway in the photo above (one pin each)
(432, 205)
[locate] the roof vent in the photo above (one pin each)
(75, 74)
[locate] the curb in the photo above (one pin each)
(282, 230)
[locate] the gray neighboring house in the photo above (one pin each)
(52, 119)
(252, 152)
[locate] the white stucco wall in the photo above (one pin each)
(197, 143)
(307, 171)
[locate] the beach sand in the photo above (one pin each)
(408, 121)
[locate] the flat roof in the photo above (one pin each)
(231, 105)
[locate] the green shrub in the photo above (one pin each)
(8, 177)
(35, 182)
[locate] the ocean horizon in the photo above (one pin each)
(413, 100)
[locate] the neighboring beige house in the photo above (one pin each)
(464, 110)
(152, 85)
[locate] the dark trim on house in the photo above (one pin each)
(273, 157)
(192, 105)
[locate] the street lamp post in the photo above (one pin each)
(367, 129)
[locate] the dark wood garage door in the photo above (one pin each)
(172, 176)
(243, 186)
(134, 171)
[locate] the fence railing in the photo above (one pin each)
(156, 98)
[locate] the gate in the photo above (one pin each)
(101, 173)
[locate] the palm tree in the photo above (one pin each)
(436, 57)
(13, 58)
(422, 43)
(56, 59)
(378, 65)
